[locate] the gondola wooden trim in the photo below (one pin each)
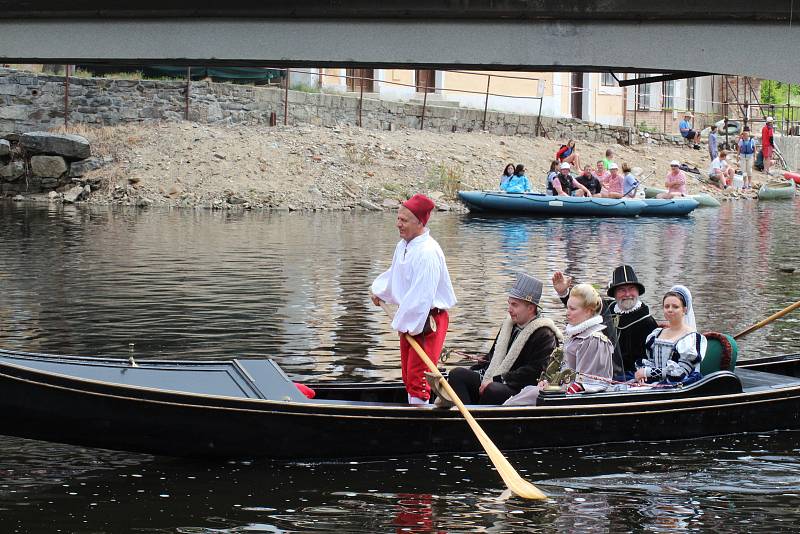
(431, 410)
(455, 418)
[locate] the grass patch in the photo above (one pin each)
(643, 127)
(447, 178)
(304, 88)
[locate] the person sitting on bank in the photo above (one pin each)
(627, 319)
(691, 136)
(518, 183)
(613, 186)
(675, 181)
(629, 182)
(720, 172)
(565, 185)
(567, 153)
(518, 356)
(508, 172)
(673, 354)
(588, 180)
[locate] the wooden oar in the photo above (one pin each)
(518, 485)
(768, 320)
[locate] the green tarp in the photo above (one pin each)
(222, 74)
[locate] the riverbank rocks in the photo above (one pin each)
(12, 171)
(48, 166)
(74, 194)
(81, 168)
(47, 161)
(364, 203)
(69, 146)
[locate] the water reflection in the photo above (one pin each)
(198, 284)
(726, 484)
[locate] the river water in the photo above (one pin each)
(207, 285)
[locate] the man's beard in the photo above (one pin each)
(626, 304)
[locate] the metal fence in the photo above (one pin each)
(664, 118)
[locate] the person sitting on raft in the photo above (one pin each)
(568, 154)
(629, 182)
(518, 183)
(673, 354)
(675, 181)
(565, 185)
(601, 173)
(588, 180)
(613, 186)
(508, 172)
(585, 364)
(551, 174)
(518, 356)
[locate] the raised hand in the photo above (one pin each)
(561, 282)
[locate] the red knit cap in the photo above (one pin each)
(421, 206)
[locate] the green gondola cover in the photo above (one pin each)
(198, 72)
(715, 348)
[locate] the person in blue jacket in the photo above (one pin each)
(518, 183)
(508, 172)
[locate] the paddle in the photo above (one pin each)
(519, 486)
(768, 320)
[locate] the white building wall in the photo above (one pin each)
(392, 91)
(335, 84)
(306, 76)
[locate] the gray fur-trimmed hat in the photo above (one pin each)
(527, 288)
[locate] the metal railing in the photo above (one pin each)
(787, 117)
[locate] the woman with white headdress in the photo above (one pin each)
(673, 354)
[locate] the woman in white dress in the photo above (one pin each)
(673, 354)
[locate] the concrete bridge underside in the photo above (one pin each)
(616, 35)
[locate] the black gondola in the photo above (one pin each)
(250, 409)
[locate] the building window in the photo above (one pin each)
(607, 80)
(690, 83)
(643, 94)
(668, 91)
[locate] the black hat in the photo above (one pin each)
(623, 275)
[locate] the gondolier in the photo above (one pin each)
(419, 283)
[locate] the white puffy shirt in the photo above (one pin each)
(417, 281)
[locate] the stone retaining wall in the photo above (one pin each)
(30, 101)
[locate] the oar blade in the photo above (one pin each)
(525, 490)
(518, 485)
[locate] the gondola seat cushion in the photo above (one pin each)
(721, 353)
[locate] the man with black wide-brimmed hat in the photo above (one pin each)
(520, 352)
(628, 320)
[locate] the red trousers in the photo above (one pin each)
(412, 365)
